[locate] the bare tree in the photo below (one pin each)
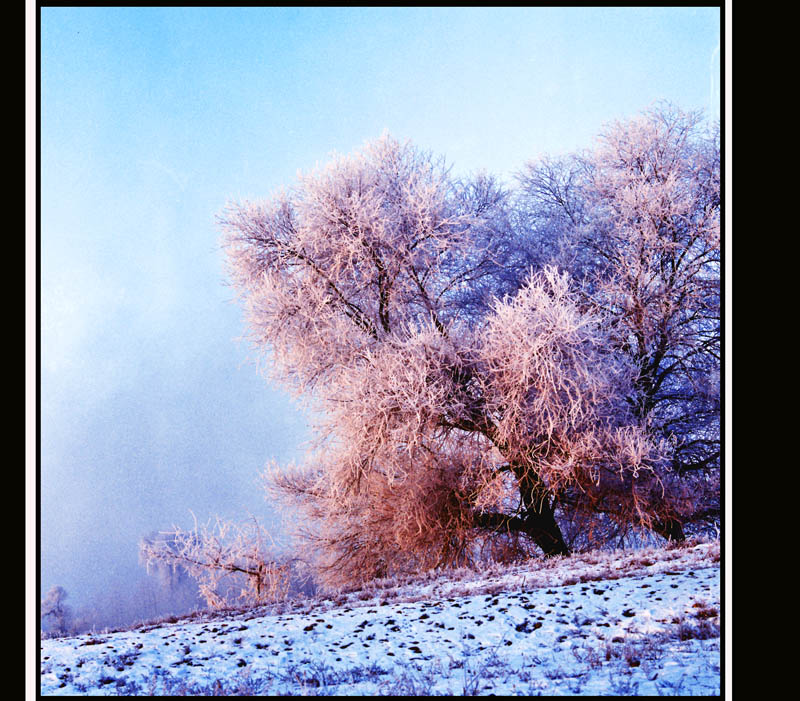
(461, 403)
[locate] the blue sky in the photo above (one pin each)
(153, 118)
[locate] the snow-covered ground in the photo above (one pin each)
(643, 622)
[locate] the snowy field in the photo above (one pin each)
(626, 623)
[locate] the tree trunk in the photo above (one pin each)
(537, 520)
(542, 528)
(539, 517)
(671, 529)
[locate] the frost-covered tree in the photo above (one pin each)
(231, 562)
(637, 223)
(56, 615)
(463, 404)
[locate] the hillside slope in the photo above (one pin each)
(630, 622)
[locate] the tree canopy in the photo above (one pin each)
(496, 369)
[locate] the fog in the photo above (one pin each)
(159, 419)
(152, 411)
